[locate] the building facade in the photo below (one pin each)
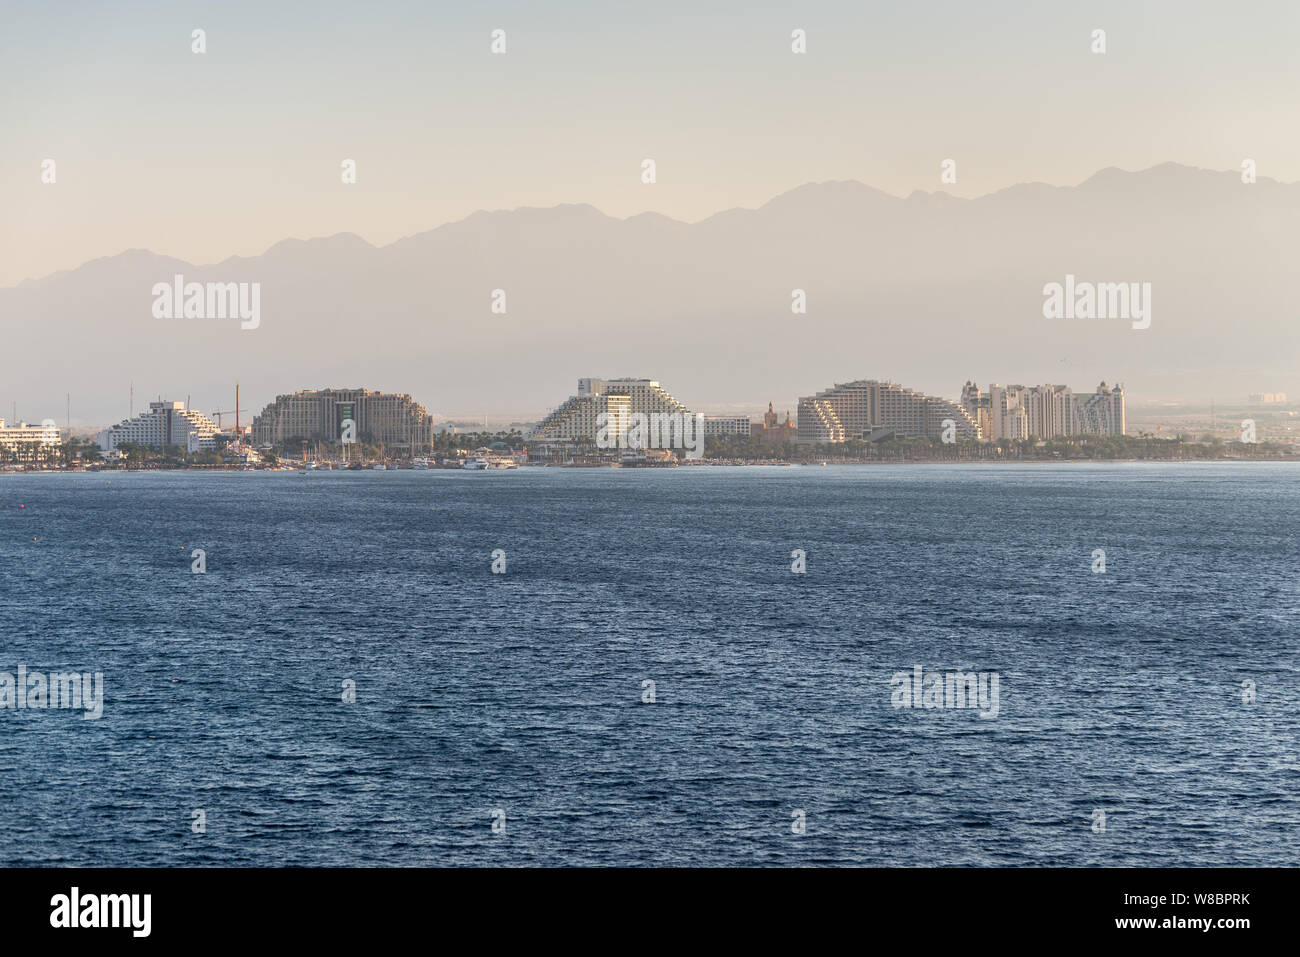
(977, 406)
(869, 409)
(726, 426)
(774, 431)
(394, 421)
(612, 401)
(1045, 411)
(162, 425)
(1100, 412)
(23, 440)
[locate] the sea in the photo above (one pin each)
(700, 666)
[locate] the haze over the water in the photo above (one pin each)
(201, 157)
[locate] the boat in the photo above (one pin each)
(484, 459)
(380, 468)
(419, 464)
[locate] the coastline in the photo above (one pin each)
(704, 463)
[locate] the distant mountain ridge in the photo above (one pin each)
(927, 290)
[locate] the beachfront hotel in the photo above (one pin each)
(872, 410)
(23, 440)
(394, 421)
(163, 424)
(578, 418)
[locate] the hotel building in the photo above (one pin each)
(872, 410)
(163, 424)
(578, 417)
(392, 420)
(23, 439)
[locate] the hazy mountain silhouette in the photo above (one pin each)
(927, 290)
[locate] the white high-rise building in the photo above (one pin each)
(163, 424)
(1050, 411)
(1003, 403)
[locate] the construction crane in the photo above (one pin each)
(235, 411)
(228, 411)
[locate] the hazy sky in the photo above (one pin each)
(207, 156)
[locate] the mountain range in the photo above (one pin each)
(928, 290)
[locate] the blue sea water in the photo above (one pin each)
(522, 692)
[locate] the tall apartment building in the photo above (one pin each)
(868, 409)
(163, 424)
(1049, 411)
(1003, 402)
(1045, 411)
(394, 420)
(1016, 423)
(578, 417)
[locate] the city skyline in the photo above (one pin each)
(754, 412)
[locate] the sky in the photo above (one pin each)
(205, 156)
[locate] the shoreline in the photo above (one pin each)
(691, 465)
